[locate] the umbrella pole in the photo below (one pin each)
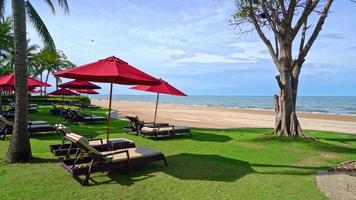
(109, 116)
(79, 101)
(154, 121)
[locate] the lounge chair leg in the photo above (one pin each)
(165, 161)
(86, 180)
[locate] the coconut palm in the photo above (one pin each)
(6, 36)
(20, 149)
(9, 56)
(50, 61)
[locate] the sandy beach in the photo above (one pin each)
(210, 117)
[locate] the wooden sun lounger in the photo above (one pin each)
(165, 131)
(79, 117)
(56, 110)
(33, 127)
(106, 161)
(67, 150)
(30, 108)
(135, 124)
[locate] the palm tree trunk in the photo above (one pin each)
(46, 81)
(0, 101)
(20, 148)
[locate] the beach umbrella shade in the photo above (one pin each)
(86, 91)
(162, 88)
(109, 70)
(63, 92)
(79, 84)
(8, 81)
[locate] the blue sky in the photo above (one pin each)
(192, 45)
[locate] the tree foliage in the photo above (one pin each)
(36, 21)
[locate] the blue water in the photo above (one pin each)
(324, 104)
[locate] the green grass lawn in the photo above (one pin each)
(212, 164)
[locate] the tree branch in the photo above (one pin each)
(262, 35)
(291, 9)
(316, 31)
(283, 8)
(271, 20)
(309, 7)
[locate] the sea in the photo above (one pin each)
(341, 105)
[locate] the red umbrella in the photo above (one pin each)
(8, 80)
(109, 70)
(163, 87)
(63, 92)
(86, 91)
(78, 84)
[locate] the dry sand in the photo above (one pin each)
(337, 186)
(209, 117)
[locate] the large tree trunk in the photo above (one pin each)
(20, 149)
(287, 123)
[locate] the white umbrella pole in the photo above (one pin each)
(154, 121)
(109, 116)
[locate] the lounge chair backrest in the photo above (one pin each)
(54, 106)
(62, 129)
(133, 118)
(12, 104)
(3, 121)
(81, 141)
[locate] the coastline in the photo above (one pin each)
(217, 117)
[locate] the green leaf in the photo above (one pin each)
(40, 26)
(50, 5)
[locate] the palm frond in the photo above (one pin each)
(2, 8)
(40, 26)
(64, 5)
(50, 5)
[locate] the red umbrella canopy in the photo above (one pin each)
(36, 91)
(8, 80)
(109, 70)
(79, 84)
(86, 91)
(163, 87)
(64, 92)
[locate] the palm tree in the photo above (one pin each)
(50, 61)
(6, 36)
(9, 56)
(20, 149)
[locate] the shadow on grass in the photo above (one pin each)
(38, 160)
(320, 145)
(186, 166)
(197, 136)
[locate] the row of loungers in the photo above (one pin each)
(83, 156)
(6, 127)
(32, 107)
(154, 130)
(74, 116)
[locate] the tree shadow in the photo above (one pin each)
(321, 145)
(197, 136)
(201, 167)
(186, 166)
(209, 137)
(39, 160)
